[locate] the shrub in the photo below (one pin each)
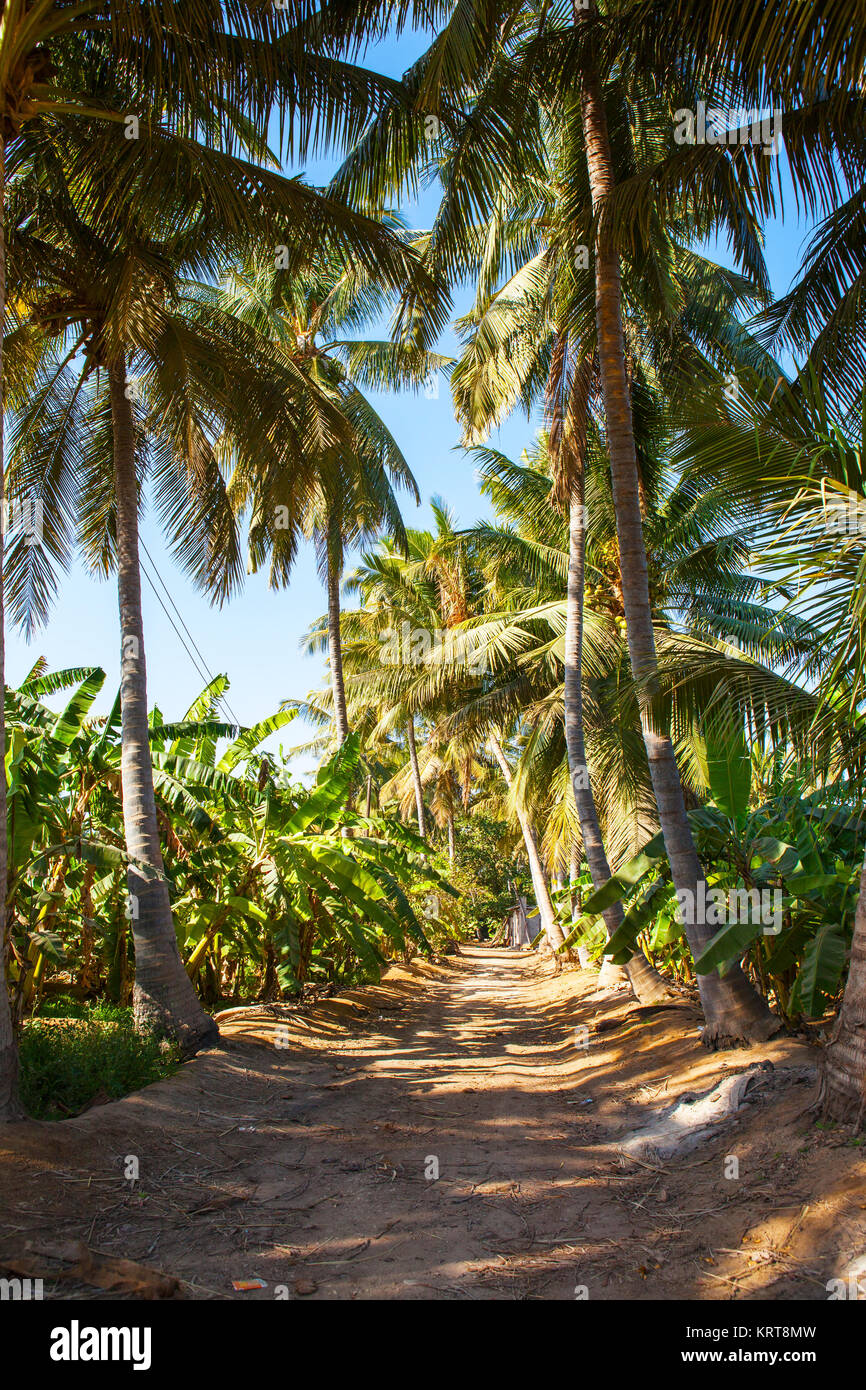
(66, 1063)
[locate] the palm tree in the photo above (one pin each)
(121, 355)
(305, 317)
(540, 886)
(704, 603)
(511, 72)
(406, 599)
(379, 578)
(218, 70)
(417, 785)
(436, 590)
(731, 1008)
(647, 986)
(72, 422)
(407, 604)
(788, 449)
(496, 381)
(535, 335)
(447, 769)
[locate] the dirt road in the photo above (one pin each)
(448, 1134)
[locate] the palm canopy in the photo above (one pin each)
(214, 70)
(718, 660)
(495, 79)
(86, 287)
(309, 321)
(795, 470)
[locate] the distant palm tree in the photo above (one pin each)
(432, 594)
(309, 321)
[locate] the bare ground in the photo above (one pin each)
(299, 1153)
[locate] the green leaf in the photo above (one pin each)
(50, 945)
(579, 930)
(728, 943)
(68, 724)
(111, 725)
(244, 746)
(821, 971)
(729, 770)
(626, 876)
(667, 930)
(639, 915)
(326, 797)
(786, 950)
(248, 908)
(785, 858)
(808, 885)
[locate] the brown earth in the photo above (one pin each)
(299, 1154)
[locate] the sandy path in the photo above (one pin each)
(466, 1084)
(304, 1152)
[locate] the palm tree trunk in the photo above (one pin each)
(647, 985)
(335, 648)
(164, 998)
(733, 1010)
(466, 787)
(843, 1064)
(552, 929)
(451, 840)
(583, 955)
(9, 1107)
(416, 775)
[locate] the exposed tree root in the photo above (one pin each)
(717, 1038)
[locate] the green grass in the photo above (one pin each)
(64, 1006)
(68, 1058)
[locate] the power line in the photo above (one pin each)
(168, 595)
(201, 674)
(206, 674)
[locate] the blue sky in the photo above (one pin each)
(255, 639)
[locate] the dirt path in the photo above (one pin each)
(305, 1152)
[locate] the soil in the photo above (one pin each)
(304, 1152)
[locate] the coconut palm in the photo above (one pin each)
(521, 72)
(791, 449)
(732, 1006)
(215, 71)
(399, 620)
(705, 604)
(409, 652)
(120, 361)
(534, 335)
(306, 319)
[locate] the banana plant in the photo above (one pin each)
(58, 788)
(300, 872)
(265, 875)
(781, 884)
